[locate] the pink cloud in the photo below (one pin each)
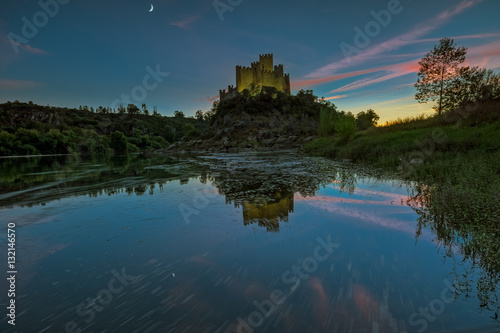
(7, 84)
(313, 82)
(184, 24)
(334, 97)
(208, 99)
(30, 48)
(397, 70)
(394, 43)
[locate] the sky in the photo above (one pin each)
(359, 54)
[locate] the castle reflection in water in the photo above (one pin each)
(267, 214)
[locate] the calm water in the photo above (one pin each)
(224, 243)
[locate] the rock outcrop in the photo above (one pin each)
(245, 132)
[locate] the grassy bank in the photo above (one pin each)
(423, 148)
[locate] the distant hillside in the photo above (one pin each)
(30, 129)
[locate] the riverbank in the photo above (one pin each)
(457, 169)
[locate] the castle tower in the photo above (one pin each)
(260, 74)
(266, 60)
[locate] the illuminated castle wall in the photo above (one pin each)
(262, 73)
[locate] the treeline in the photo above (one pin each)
(30, 129)
(343, 123)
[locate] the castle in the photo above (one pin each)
(262, 73)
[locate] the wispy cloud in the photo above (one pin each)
(394, 43)
(313, 82)
(7, 84)
(400, 68)
(334, 97)
(395, 70)
(208, 99)
(30, 48)
(186, 23)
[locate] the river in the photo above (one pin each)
(254, 242)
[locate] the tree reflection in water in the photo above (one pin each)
(469, 234)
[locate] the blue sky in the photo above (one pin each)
(93, 52)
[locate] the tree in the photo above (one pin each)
(145, 109)
(121, 109)
(345, 125)
(133, 109)
(474, 84)
(327, 117)
(199, 115)
(366, 119)
(178, 114)
(437, 71)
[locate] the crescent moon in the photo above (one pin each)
(151, 8)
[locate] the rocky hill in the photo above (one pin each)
(270, 120)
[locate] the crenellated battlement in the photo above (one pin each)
(260, 74)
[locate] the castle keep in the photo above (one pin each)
(262, 73)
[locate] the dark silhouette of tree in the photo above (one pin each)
(474, 84)
(178, 114)
(121, 109)
(437, 71)
(133, 109)
(199, 115)
(145, 109)
(366, 119)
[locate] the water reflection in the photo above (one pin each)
(468, 236)
(376, 280)
(262, 185)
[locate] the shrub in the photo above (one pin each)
(119, 142)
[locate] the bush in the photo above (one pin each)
(119, 142)
(345, 125)
(326, 124)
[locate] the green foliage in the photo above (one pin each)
(190, 131)
(366, 119)
(327, 117)
(119, 142)
(345, 125)
(304, 104)
(48, 130)
(169, 133)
